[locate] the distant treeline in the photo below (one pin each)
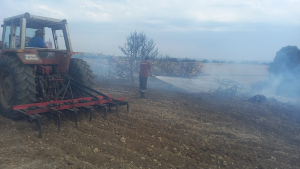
(101, 56)
(93, 56)
(169, 59)
(231, 62)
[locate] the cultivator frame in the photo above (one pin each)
(33, 112)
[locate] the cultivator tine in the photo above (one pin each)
(100, 106)
(127, 107)
(117, 103)
(38, 126)
(90, 110)
(105, 113)
(56, 115)
(58, 121)
(91, 113)
(74, 113)
(117, 112)
(110, 105)
(35, 118)
(85, 114)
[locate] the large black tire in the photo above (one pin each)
(80, 71)
(17, 86)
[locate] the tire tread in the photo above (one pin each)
(25, 86)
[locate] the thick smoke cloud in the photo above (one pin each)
(284, 79)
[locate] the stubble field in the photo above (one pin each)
(166, 130)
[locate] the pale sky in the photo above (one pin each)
(203, 29)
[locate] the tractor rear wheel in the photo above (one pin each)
(80, 71)
(17, 86)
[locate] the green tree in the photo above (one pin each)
(286, 61)
(284, 70)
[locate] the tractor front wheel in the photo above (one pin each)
(17, 86)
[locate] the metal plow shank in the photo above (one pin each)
(33, 112)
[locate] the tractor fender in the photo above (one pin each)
(26, 56)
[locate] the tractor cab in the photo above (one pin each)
(16, 35)
(18, 30)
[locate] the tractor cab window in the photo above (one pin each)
(54, 39)
(57, 43)
(6, 38)
(17, 37)
(29, 33)
(48, 38)
(7, 44)
(59, 39)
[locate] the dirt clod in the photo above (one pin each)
(212, 155)
(123, 139)
(95, 150)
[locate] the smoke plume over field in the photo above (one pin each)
(284, 75)
(251, 79)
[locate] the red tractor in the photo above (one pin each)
(37, 80)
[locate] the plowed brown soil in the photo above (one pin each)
(166, 130)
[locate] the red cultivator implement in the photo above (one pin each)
(38, 81)
(33, 112)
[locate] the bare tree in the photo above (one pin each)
(137, 47)
(229, 88)
(169, 66)
(190, 68)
